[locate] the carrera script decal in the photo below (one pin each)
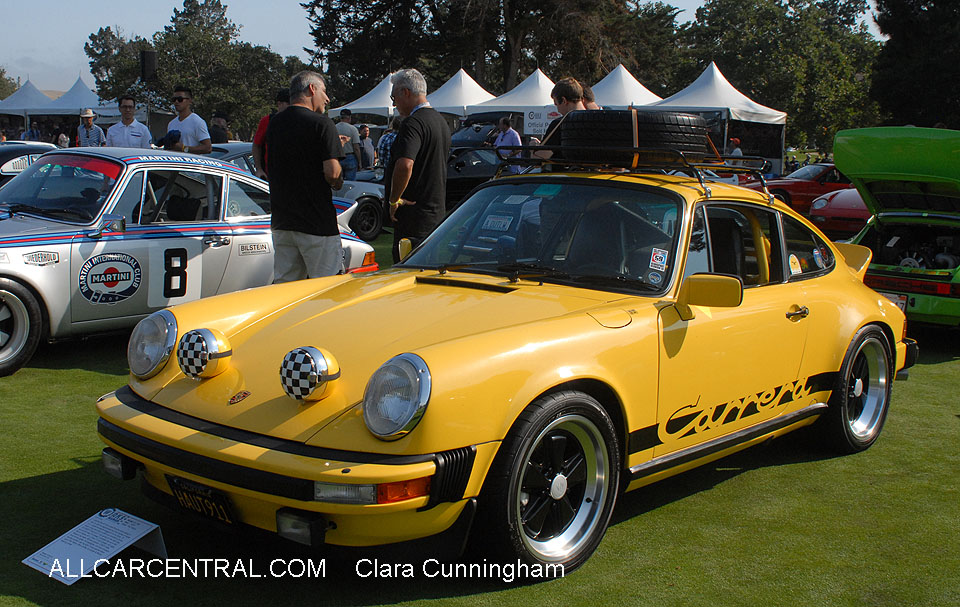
(691, 420)
(109, 278)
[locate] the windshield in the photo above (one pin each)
(62, 186)
(598, 234)
(809, 172)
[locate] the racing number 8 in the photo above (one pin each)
(174, 271)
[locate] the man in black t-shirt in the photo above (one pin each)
(416, 180)
(306, 238)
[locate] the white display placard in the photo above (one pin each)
(535, 122)
(73, 555)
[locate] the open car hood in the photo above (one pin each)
(903, 169)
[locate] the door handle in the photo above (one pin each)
(216, 240)
(802, 312)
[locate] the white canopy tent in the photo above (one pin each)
(712, 91)
(531, 94)
(619, 90)
(457, 93)
(24, 101)
(76, 99)
(377, 101)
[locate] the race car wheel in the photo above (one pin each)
(367, 220)
(21, 324)
(861, 396)
(686, 133)
(551, 490)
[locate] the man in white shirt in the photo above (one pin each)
(194, 135)
(129, 132)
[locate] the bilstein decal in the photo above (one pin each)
(254, 248)
(109, 278)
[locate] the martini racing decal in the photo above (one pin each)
(698, 419)
(254, 248)
(110, 278)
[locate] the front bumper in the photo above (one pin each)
(261, 475)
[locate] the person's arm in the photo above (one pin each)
(333, 173)
(258, 160)
(204, 147)
(356, 150)
(402, 171)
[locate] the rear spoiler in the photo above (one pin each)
(856, 256)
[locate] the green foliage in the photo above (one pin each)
(8, 85)
(916, 75)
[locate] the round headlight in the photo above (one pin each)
(203, 353)
(396, 396)
(151, 343)
(306, 371)
(819, 203)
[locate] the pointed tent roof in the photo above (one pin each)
(711, 91)
(78, 97)
(620, 90)
(532, 93)
(377, 101)
(25, 100)
(457, 93)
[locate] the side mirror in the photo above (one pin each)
(715, 290)
(109, 223)
(405, 246)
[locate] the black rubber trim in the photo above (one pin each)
(127, 396)
(724, 442)
(454, 468)
(206, 467)
(466, 284)
(913, 351)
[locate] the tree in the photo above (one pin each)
(114, 61)
(916, 77)
(8, 85)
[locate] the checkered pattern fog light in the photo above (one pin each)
(306, 372)
(203, 353)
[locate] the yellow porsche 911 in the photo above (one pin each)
(559, 339)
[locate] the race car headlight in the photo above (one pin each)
(396, 397)
(203, 353)
(151, 343)
(819, 203)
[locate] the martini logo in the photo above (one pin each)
(109, 278)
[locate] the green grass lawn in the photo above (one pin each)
(786, 523)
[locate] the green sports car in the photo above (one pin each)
(909, 178)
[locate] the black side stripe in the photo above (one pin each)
(722, 443)
(644, 438)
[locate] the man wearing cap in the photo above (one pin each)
(194, 136)
(351, 145)
(129, 132)
(735, 144)
(89, 134)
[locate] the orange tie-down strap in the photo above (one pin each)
(636, 142)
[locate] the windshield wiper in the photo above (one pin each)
(525, 270)
(78, 213)
(619, 281)
(17, 208)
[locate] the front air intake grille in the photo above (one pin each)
(453, 474)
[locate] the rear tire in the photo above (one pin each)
(367, 220)
(861, 396)
(551, 489)
(21, 325)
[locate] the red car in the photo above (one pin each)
(840, 214)
(799, 188)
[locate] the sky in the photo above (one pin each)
(44, 39)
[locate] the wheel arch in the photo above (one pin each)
(608, 399)
(44, 310)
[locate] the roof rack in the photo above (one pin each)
(631, 160)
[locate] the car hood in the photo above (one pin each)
(362, 322)
(14, 229)
(903, 169)
(849, 199)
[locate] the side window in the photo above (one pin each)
(181, 196)
(698, 257)
(245, 200)
(744, 241)
(807, 254)
(129, 203)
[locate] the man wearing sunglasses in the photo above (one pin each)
(129, 132)
(194, 135)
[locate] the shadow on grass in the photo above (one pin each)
(105, 353)
(937, 344)
(41, 508)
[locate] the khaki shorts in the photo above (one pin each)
(297, 256)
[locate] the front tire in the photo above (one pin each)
(551, 490)
(861, 397)
(21, 324)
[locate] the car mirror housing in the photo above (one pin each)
(717, 290)
(109, 223)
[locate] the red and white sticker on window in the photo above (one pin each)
(658, 259)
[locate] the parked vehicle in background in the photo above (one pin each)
(93, 239)
(840, 214)
(15, 156)
(799, 188)
(909, 179)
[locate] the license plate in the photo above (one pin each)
(900, 300)
(203, 500)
